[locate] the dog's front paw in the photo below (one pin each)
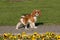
(17, 28)
(35, 27)
(32, 27)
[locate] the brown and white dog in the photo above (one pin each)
(29, 18)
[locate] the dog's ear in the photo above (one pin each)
(33, 12)
(39, 12)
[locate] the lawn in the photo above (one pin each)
(10, 12)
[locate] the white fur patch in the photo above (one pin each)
(22, 21)
(35, 18)
(18, 25)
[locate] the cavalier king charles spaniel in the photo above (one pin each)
(29, 19)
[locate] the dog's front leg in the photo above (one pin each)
(32, 25)
(26, 27)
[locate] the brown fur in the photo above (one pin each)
(30, 17)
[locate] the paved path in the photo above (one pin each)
(40, 29)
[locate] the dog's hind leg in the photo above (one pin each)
(18, 24)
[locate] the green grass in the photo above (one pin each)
(10, 12)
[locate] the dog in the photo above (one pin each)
(29, 19)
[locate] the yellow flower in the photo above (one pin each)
(47, 33)
(9, 34)
(42, 38)
(5, 35)
(19, 39)
(58, 37)
(29, 36)
(33, 37)
(14, 37)
(35, 33)
(38, 35)
(10, 37)
(24, 34)
(19, 36)
(42, 35)
(52, 33)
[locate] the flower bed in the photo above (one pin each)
(34, 36)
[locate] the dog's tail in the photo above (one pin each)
(18, 24)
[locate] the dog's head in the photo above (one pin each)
(36, 13)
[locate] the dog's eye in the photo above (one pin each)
(38, 12)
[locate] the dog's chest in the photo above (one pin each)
(35, 19)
